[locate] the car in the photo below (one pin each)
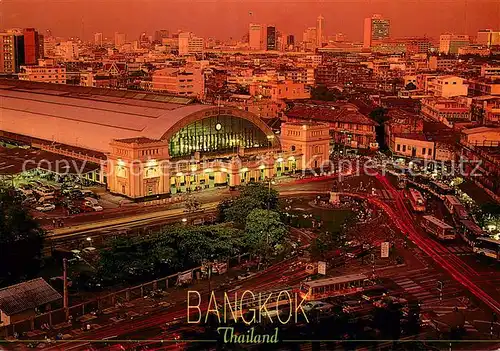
(45, 207)
(89, 193)
(246, 275)
(350, 305)
(97, 208)
(317, 305)
(91, 200)
(25, 190)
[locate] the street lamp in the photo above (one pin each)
(89, 239)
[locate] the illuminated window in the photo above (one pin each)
(218, 133)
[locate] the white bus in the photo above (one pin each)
(438, 228)
(487, 247)
(455, 207)
(417, 201)
(343, 285)
(470, 231)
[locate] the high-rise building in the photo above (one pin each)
(68, 50)
(450, 43)
(161, 34)
(41, 46)
(488, 37)
(98, 39)
(11, 52)
(31, 46)
(190, 44)
(309, 38)
(255, 36)
(376, 29)
(271, 38)
(120, 39)
(320, 27)
(290, 40)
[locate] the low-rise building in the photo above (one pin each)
(24, 300)
(45, 74)
(484, 86)
(446, 110)
(481, 153)
(412, 145)
(280, 90)
(436, 63)
(448, 86)
(347, 125)
(179, 81)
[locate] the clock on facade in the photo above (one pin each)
(218, 126)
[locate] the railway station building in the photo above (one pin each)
(150, 145)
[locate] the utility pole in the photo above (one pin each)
(65, 288)
(373, 265)
(440, 289)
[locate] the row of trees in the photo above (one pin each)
(248, 223)
(21, 239)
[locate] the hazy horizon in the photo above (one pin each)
(224, 19)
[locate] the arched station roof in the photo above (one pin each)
(92, 119)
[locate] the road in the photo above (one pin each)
(459, 270)
(279, 276)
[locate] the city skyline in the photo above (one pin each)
(224, 20)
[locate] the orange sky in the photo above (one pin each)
(230, 18)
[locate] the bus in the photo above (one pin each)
(342, 285)
(441, 188)
(455, 207)
(438, 228)
(417, 201)
(487, 247)
(470, 231)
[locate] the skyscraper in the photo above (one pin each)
(376, 30)
(271, 38)
(290, 40)
(98, 39)
(255, 36)
(320, 26)
(31, 46)
(120, 39)
(11, 52)
(161, 34)
(450, 43)
(488, 37)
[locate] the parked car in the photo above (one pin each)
(97, 208)
(93, 206)
(45, 207)
(25, 190)
(89, 193)
(91, 200)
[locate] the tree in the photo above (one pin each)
(252, 196)
(192, 204)
(379, 115)
(21, 239)
(322, 93)
(172, 249)
(410, 86)
(263, 231)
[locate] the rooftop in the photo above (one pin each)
(26, 296)
(88, 118)
(329, 113)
